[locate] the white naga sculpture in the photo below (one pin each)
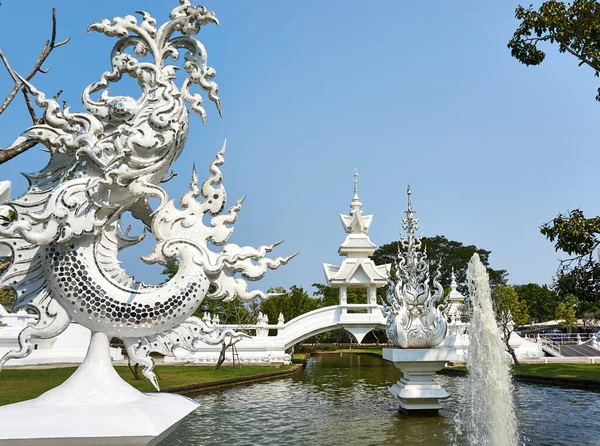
(413, 319)
(111, 159)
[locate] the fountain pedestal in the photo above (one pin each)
(94, 407)
(417, 391)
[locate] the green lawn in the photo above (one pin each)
(574, 372)
(590, 372)
(19, 385)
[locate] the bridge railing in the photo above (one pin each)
(263, 329)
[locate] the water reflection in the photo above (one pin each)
(345, 400)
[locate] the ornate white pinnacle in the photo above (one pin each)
(413, 320)
(453, 284)
(355, 204)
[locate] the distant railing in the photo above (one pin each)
(566, 338)
(550, 346)
(264, 328)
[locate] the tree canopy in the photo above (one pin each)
(566, 312)
(574, 27)
(540, 300)
(447, 254)
(292, 303)
(578, 275)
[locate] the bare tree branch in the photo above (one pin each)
(46, 50)
(49, 45)
(8, 68)
(30, 108)
(8, 154)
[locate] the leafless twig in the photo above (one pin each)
(50, 45)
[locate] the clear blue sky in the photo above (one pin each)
(417, 92)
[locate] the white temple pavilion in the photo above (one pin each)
(357, 269)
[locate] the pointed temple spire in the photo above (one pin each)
(355, 205)
(453, 284)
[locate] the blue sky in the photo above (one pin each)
(407, 92)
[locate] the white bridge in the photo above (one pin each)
(358, 319)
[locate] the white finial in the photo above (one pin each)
(356, 204)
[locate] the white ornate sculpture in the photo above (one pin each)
(413, 319)
(111, 160)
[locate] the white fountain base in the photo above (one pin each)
(93, 407)
(417, 391)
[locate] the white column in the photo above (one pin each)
(372, 297)
(343, 297)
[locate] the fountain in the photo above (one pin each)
(486, 414)
(416, 323)
(66, 234)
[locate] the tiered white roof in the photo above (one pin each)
(357, 269)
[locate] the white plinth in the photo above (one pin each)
(93, 407)
(417, 391)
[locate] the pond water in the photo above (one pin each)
(344, 400)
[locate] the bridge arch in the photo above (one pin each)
(330, 318)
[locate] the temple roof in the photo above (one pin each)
(357, 268)
(357, 271)
(356, 222)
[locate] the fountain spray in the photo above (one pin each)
(487, 414)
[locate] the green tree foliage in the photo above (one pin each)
(579, 275)
(331, 296)
(541, 301)
(290, 303)
(171, 269)
(447, 254)
(234, 312)
(7, 298)
(566, 312)
(574, 27)
(510, 313)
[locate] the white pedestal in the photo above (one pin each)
(417, 391)
(93, 407)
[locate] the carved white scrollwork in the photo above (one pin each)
(112, 159)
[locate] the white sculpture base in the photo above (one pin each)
(94, 407)
(418, 393)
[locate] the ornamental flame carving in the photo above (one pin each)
(413, 319)
(109, 160)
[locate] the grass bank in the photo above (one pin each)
(19, 385)
(576, 375)
(579, 375)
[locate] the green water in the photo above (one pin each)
(344, 400)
